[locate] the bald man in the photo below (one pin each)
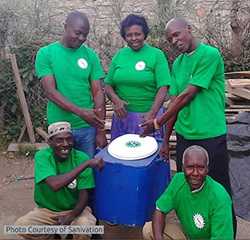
(198, 101)
(70, 74)
(202, 205)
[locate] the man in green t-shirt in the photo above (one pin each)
(70, 74)
(198, 101)
(63, 177)
(202, 205)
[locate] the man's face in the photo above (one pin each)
(62, 144)
(76, 33)
(195, 169)
(179, 36)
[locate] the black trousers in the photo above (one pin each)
(218, 160)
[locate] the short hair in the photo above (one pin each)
(72, 16)
(133, 19)
(195, 148)
(182, 21)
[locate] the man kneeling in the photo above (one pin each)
(62, 179)
(202, 205)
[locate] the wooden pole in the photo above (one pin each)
(42, 133)
(22, 99)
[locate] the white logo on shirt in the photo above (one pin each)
(82, 63)
(72, 185)
(139, 66)
(198, 221)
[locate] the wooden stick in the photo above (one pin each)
(241, 92)
(242, 74)
(21, 134)
(42, 133)
(22, 99)
(15, 147)
(235, 83)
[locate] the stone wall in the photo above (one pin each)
(30, 17)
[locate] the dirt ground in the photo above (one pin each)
(16, 199)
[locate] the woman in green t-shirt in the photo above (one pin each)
(137, 80)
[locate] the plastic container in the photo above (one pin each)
(126, 191)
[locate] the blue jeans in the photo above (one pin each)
(84, 140)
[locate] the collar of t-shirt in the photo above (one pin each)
(199, 189)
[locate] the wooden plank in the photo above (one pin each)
(232, 97)
(173, 166)
(21, 134)
(240, 106)
(15, 147)
(235, 83)
(241, 74)
(237, 110)
(42, 133)
(108, 125)
(22, 99)
(241, 92)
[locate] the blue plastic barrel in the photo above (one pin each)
(126, 191)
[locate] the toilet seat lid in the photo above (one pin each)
(132, 147)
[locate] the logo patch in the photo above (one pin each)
(139, 66)
(82, 63)
(72, 185)
(198, 221)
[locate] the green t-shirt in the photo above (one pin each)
(204, 116)
(205, 214)
(136, 76)
(73, 70)
(67, 197)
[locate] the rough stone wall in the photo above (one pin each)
(103, 13)
(31, 16)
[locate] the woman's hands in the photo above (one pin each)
(120, 108)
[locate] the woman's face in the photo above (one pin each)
(134, 37)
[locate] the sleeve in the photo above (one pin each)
(206, 69)
(166, 201)
(85, 180)
(162, 74)
(112, 66)
(221, 220)
(96, 70)
(42, 63)
(43, 166)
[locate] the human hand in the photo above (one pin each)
(148, 127)
(96, 162)
(120, 108)
(65, 219)
(91, 117)
(101, 140)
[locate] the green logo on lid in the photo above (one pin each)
(133, 144)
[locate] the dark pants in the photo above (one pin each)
(218, 160)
